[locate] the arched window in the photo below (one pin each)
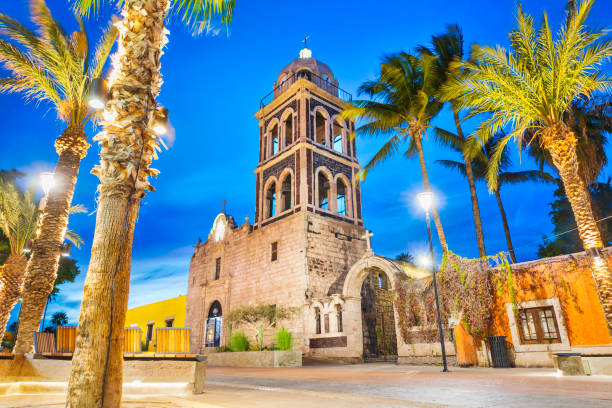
(286, 193)
(304, 74)
(323, 198)
(320, 126)
(339, 317)
(317, 320)
(271, 200)
(288, 124)
(337, 136)
(213, 325)
(275, 140)
(341, 197)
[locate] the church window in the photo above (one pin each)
(317, 320)
(274, 136)
(341, 197)
(337, 136)
(320, 128)
(170, 322)
(339, 317)
(286, 193)
(274, 251)
(323, 198)
(271, 200)
(217, 268)
(288, 124)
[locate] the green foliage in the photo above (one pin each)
(568, 241)
(532, 86)
(66, 272)
(405, 257)
(239, 342)
(259, 317)
(50, 65)
(284, 339)
(18, 215)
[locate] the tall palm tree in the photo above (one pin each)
(18, 220)
(532, 86)
(480, 164)
(448, 49)
(402, 103)
(55, 68)
(128, 146)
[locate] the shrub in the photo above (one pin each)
(239, 342)
(284, 339)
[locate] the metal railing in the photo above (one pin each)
(323, 83)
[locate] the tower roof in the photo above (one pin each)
(306, 62)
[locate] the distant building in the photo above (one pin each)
(165, 313)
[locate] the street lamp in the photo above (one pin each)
(47, 180)
(426, 200)
(97, 94)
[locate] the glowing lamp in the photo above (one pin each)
(66, 249)
(424, 261)
(594, 253)
(160, 121)
(27, 246)
(97, 94)
(47, 180)
(426, 199)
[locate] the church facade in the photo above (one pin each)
(307, 247)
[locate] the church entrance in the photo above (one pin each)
(378, 320)
(214, 325)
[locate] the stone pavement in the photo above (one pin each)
(371, 385)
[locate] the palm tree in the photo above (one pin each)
(59, 319)
(127, 148)
(532, 87)
(18, 220)
(480, 164)
(448, 49)
(402, 103)
(53, 67)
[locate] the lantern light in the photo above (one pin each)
(160, 121)
(426, 199)
(27, 246)
(97, 94)
(66, 249)
(47, 180)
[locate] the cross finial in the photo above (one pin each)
(305, 41)
(199, 240)
(368, 237)
(223, 206)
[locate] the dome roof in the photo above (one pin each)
(306, 62)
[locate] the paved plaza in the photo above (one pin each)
(370, 385)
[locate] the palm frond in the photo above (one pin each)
(453, 165)
(514, 177)
(195, 13)
(386, 151)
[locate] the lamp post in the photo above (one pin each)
(426, 201)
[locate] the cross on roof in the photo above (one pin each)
(305, 41)
(368, 237)
(223, 206)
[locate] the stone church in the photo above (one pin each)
(307, 246)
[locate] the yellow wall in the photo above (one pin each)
(157, 312)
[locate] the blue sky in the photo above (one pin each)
(212, 87)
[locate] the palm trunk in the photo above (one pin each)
(506, 227)
(42, 268)
(561, 142)
(474, 197)
(127, 150)
(12, 274)
(434, 211)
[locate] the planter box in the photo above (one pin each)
(276, 358)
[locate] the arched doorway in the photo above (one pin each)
(378, 320)
(368, 296)
(214, 325)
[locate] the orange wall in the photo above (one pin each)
(572, 282)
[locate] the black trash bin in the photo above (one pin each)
(499, 351)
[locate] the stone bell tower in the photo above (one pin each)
(307, 162)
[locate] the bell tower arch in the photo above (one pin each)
(302, 134)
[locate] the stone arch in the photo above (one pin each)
(288, 117)
(274, 123)
(288, 172)
(336, 119)
(331, 191)
(266, 204)
(358, 273)
(348, 197)
(321, 138)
